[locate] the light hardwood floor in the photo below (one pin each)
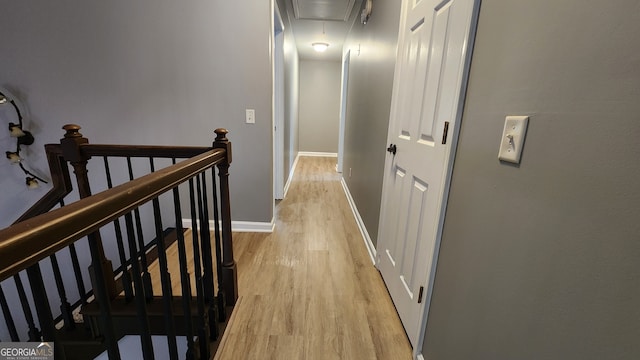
(309, 289)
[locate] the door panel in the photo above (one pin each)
(415, 64)
(428, 122)
(394, 211)
(415, 218)
(431, 68)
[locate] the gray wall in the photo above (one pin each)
(319, 105)
(541, 261)
(149, 72)
(373, 54)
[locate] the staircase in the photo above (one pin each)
(173, 289)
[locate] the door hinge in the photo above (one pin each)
(420, 294)
(445, 133)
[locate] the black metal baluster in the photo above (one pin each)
(165, 277)
(126, 278)
(222, 311)
(207, 263)
(8, 319)
(184, 274)
(65, 307)
(78, 273)
(203, 337)
(141, 304)
(34, 333)
(76, 269)
(146, 277)
(41, 304)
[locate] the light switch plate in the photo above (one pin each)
(515, 129)
(250, 115)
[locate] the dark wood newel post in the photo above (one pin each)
(72, 152)
(229, 271)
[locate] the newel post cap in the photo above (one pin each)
(71, 143)
(72, 131)
(221, 134)
(222, 142)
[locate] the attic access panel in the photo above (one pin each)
(328, 10)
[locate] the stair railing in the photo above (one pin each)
(25, 245)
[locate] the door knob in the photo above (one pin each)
(392, 149)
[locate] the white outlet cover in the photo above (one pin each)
(250, 116)
(515, 130)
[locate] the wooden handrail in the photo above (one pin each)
(31, 240)
(142, 150)
(61, 180)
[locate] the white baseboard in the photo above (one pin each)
(293, 170)
(252, 226)
(317, 154)
(241, 226)
(363, 229)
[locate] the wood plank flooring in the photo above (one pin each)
(309, 290)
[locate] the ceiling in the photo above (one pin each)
(321, 21)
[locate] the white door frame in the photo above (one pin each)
(449, 161)
(343, 108)
(278, 103)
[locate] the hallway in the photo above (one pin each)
(309, 290)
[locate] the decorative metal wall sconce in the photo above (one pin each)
(366, 12)
(23, 138)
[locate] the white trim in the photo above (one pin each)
(252, 226)
(291, 173)
(241, 226)
(317, 154)
(278, 102)
(419, 357)
(346, 59)
(363, 229)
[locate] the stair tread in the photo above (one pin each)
(120, 307)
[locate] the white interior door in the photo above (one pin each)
(429, 86)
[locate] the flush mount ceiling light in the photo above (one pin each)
(320, 46)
